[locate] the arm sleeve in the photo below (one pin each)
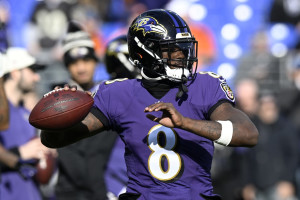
(109, 105)
(98, 114)
(217, 91)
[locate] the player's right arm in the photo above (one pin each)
(89, 126)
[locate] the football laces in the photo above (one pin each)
(52, 91)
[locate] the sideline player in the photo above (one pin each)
(170, 119)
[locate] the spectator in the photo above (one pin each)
(259, 64)
(4, 18)
(82, 165)
(20, 138)
(285, 11)
(43, 33)
(291, 89)
(6, 158)
(247, 92)
(291, 92)
(271, 166)
(4, 111)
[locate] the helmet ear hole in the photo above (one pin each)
(149, 44)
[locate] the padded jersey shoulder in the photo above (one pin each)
(209, 90)
(114, 96)
(210, 83)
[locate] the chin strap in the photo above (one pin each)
(182, 87)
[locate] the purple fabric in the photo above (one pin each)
(116, 173)
(12, 185)
(163, 163)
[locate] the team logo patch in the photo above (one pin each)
(227, 91)
(149, 25)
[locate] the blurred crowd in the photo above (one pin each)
(266, 85)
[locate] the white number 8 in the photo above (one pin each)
(166, 151)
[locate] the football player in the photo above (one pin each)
(168, 120)
(117, 60)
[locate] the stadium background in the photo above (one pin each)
(227, 27)
(232, 24)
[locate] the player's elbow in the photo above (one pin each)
(254, 139)
(251, 138)
(245, 135)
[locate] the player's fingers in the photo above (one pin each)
(57, 87)
(66, 87)
(153, 118)
(53, 152)
(73, 87)
(158, 107)
(153, 107)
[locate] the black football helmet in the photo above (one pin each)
(161, 32)
(116, 60)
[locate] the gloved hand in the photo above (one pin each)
(27, 168)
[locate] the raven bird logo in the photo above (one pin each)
(149, 25)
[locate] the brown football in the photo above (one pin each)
(60, 109)
(45, 169)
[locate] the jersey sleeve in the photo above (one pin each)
(103, 102)
(216, 91)
(111, 100)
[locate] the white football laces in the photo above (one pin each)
(47, 94)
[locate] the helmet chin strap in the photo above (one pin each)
(150, 78)
(182, 87)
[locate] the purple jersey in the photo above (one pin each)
(12, 185)
(164, 163)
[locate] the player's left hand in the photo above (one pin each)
(170, 116)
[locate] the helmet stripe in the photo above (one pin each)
(176, 22)
(183, 23)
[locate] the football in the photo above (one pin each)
(60, 109)
(45, 169)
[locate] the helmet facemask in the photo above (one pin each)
(173, 60)
(178, 57)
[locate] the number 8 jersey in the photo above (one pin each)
(162, 162)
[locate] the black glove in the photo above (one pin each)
(26, 168)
